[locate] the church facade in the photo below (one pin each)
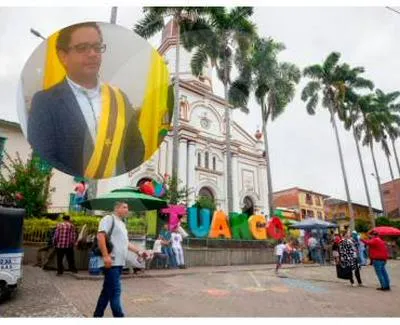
(202, 149)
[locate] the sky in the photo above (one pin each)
(303, 150)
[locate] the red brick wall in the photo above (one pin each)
(391, 196)
(287, 199)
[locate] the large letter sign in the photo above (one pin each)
(257, 225)
(275, 228)
(219, 226)
(199, 229)
(174, 211)
(240, 226)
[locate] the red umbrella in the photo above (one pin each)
(386, 231)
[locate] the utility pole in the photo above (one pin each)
(113, 19)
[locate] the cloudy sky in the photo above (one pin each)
(303, 148)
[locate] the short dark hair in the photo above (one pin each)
(66, 218)
(119, 203)
(64, 35)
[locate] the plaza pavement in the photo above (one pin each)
(248, 290)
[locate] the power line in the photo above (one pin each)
(394, 10)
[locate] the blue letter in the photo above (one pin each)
(199, 229)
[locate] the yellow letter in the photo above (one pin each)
(257, 225)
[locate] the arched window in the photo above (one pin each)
(248, 206)
(199, 159)
(214, 160)
(206, 192)
(206, 160)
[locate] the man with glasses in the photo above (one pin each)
(81, 125)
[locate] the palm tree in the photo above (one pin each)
(357, 104)
(391, 123)
(331, 80)
(151, 24)
(220, 38)
(273, 84)
(370, 126)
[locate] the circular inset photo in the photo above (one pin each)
(95, 100)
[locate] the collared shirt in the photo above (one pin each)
(65, 235)
(89, 101)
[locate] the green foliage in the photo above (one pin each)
(38, 229)
(362, 225)
(136, 225)
(383, 221)
(204, 202)
(176, 194)
(25, 184)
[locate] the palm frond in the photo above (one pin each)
(330, 62)
(239, 93)
(314, 72)
(149, 25)
(312, 104)
(199, 61)
(310, 89)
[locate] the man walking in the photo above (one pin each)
(279, 250)
(64, 241)
(113, 227)
(378, 254)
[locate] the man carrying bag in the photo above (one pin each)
(113, 243)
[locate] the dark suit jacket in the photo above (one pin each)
(58, 132)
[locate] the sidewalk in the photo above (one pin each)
(154, 273)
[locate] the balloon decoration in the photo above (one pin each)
(153, 188)
(147, 188)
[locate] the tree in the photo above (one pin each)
(355, 104)
(221, 38)
(330, 80)
(273, 84)
(386, 103)
(376, 119)
(176, 194)
(362, 225)
(25, 184)
(204, 202)
(151, 24)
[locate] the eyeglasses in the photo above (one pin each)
(85, 48)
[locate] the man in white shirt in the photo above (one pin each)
(81, 126)
(112, 263)
(176, 240)
(279, 249)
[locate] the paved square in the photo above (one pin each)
(226, 291)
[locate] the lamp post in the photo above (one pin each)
(37, 34)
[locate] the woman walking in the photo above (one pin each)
(348, 260)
